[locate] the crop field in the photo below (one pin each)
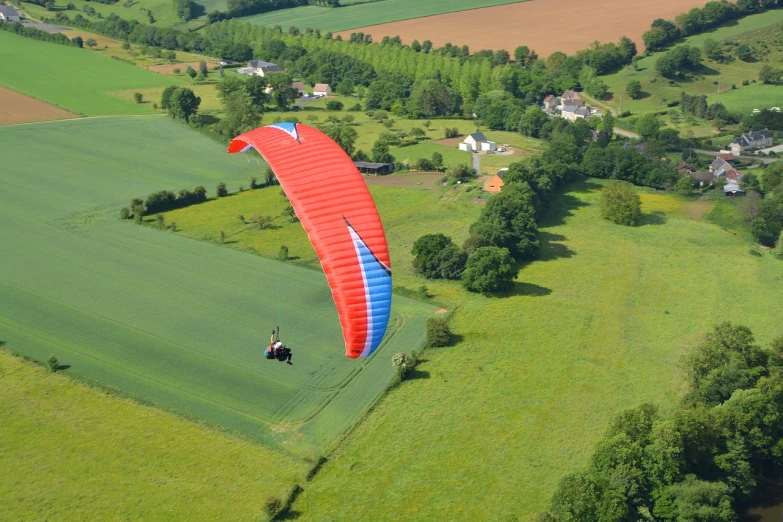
(353, 16)
(176, 322)
(546, 27)
(18, 108)
(83, 78)
(657, 91)
(75, 453)
(597, 325)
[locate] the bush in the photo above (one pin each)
(620, 203)
(138, 214)
(253, 183)
(438, 332)
(282, 254)
(273, 505)
(125, 213)
(138, 97)
(222, 237)
(52, 364)
(222, 191)
(451, 133)
(161, 221)
(401, 362)
(334, 105)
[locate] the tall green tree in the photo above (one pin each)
(489, 270)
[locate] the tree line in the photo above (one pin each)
(707, 460)
(665, 32)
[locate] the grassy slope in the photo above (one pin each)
(70, 452)
(658, 93)
(350, 17)
(162, 10)
(74, 79)
(176, 322)
(596, 326)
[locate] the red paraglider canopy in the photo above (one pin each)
(339, 215)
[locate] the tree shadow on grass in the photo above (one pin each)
(529, 289)
(288, 514)
(563, 205)
(417, 374)
(550, 250)
(655, 217)
(63, 367)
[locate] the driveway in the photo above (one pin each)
(476, 162)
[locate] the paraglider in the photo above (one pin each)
(335, 207)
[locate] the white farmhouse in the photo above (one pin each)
(473, 141)
(322, 89)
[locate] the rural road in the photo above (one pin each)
(762, 159)
(476, 162)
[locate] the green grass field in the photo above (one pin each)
(177, 322)
(658, 91)
(745, 99)
(75, 453)
(355, 16)
(75, 79)
(597, 325)
(162, 10)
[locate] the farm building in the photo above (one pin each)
(704, 178)
(751, 140)
(732, 189)
(573, 113)
(299, 87)
(489, 146)
(550, 102)
(571, 98)
(259, 68)
(473, 142)
(322, 89)
(366, 167)
(9, 14)
(496, 183)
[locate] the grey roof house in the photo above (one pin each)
(9, 14)
(259, 68)
(751, 140)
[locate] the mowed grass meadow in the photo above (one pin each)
(75, 79)
(71, 452)
(355, 16)
(166, 319)
(599, 324)
(658, 91)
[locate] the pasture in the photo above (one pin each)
(18, 108)
(353, 16)
(597, 325)
(83, 78)
(745, 99)
(546, 27)
(179, 323)
(71, 452)
(715, 77)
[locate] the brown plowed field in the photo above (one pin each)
(18, 108)
(544, 25)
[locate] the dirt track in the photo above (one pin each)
(18, 108)
(544, 25)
